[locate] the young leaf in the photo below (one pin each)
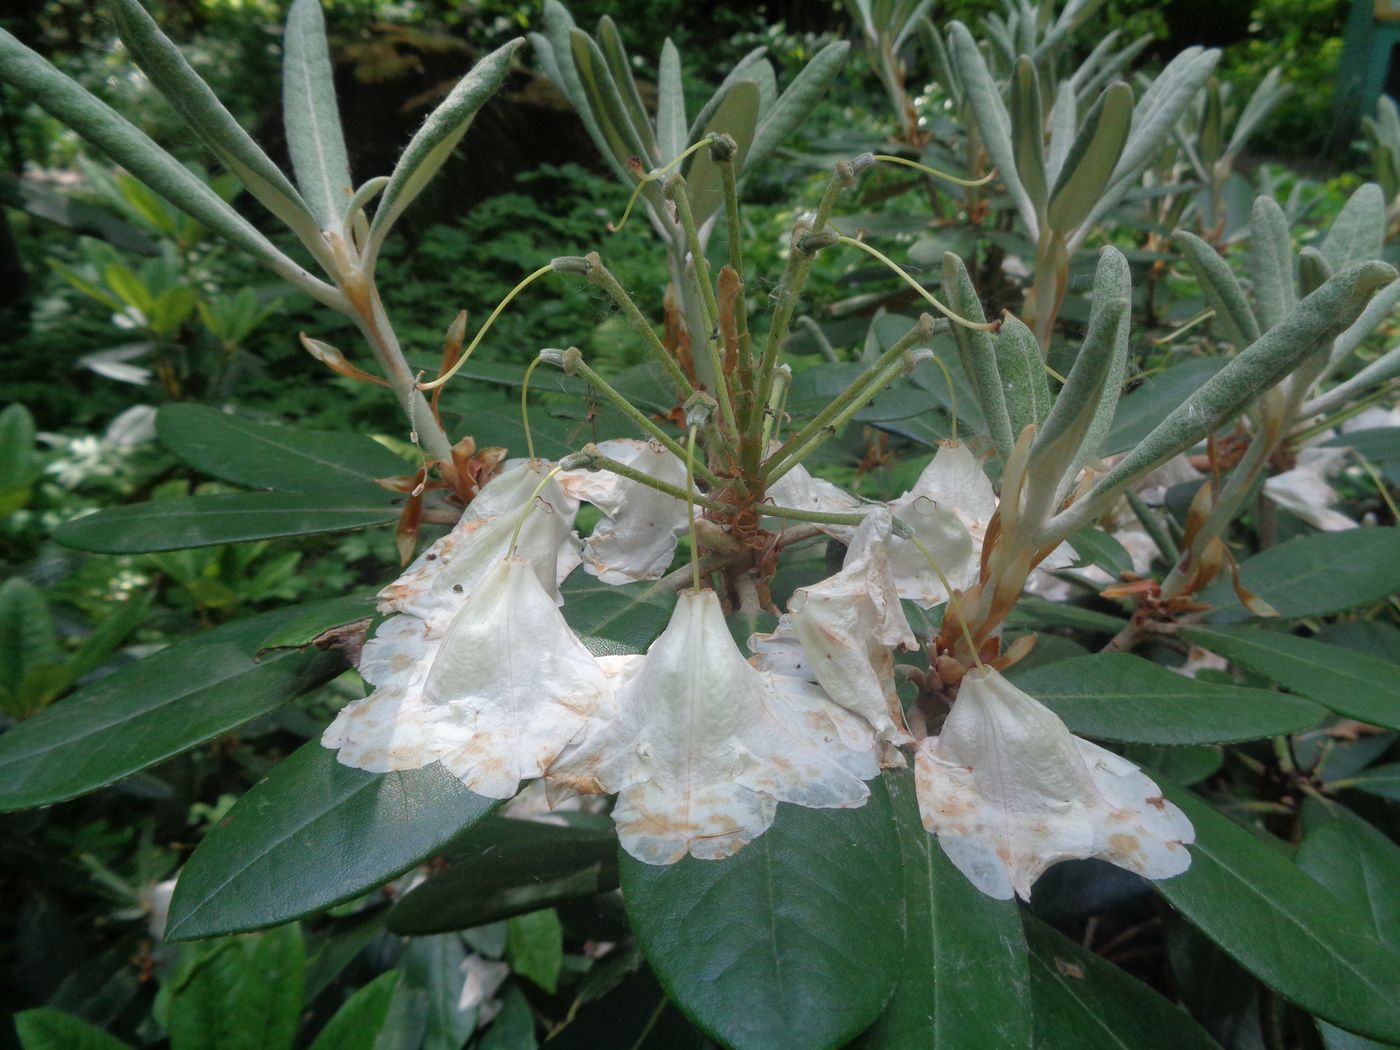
(1090, 162)
(508, 867)
(977, 353)
(435, 140)
(790, 109)
(1022, 374)
(1083, 1002)
(1153, 399)
(1028, 132)
(313, 834)
(1358, 233)
(1221, 290)
(202, 521)
(143, 714)
(722, 934)
(198, 106)
(620, 66)
(670, 104)
(1282, 926)
(1355, 684)
(312, 119)
(606, 101)
(963, 977)
(284, 459)
(1124, 698)
(737, 117)
(124, 143)
(1271, 262)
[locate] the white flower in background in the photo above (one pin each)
(844, 629)
(637, 538)
(481, 980)
(1009, 792)
(444, 575)
(1304, 491)
(703, 746)
(507, 687)
(1372, 418)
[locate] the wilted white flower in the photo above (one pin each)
(1009, 792)
(637, 538)
(481, 979)
(503, 691)
(703, 746)
(845, 628)
(444, 575)
(1304, 490)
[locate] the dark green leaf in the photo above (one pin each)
(1358, 863)
(514, 1026)
(27, 638)
(269, 996)
(783, 944)
(356, 1025)
(615, 619)
(1351, 683)
(1084, 1002)
(1378, 444)
(1184, 765)
(1317, 574)
(145, 713)
(1096, 547)
(1032, 612)
(963, 978)
(1383, 781)
(261, 456)
(1117, 696)
(44, 1029)
(203, 521)
(313, 834)
(508, 867)
(1282, 926)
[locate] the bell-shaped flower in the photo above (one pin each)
(703, 746)
(1304, 491)
(446, 574)
(637, 538)
(847, 627)
(1009, 792)
(508, 688)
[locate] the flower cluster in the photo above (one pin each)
(477, 669)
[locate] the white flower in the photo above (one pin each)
(846, 626)
(481, 979)
(1304, 490)
(1009, 792)
(444, 575)
(704, 746)
(637, 538)
(507, 687)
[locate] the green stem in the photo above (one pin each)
(849, 400)
(574, 363)
(602, 462)
(600, 275)
(769, 510)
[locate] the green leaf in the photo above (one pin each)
(1282, 926)
(1382, 781)
(1354, 684)
(605, 101)
(1028, 132)
(514, 1026)
(27, 637)
(1357, 862)
(963, 977)
(1271, 262)
(723, 935)
(1139, 412)
(191, 692)
(356, 1025)
(1096, 547)
(1091, 159)
(977, 352)
(614, 619)
(315, 833)
(311, 116)
(122, 618)
(535, 947)
(737, 117)
(1022, 374)
(203, 521)
(269, 1000)
(19, 465)
(791, 109)
(508, 867)
(435, 140)
(620, 66)
(1221, 289)
(1032, 612)
(432, 984)
(259, 455)
(1083, 1002)
(1120, 697)
(1358, 233)
(670, 104)
(1315, 574)
(45, 1029)
(1184, 765)
(201, 110)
